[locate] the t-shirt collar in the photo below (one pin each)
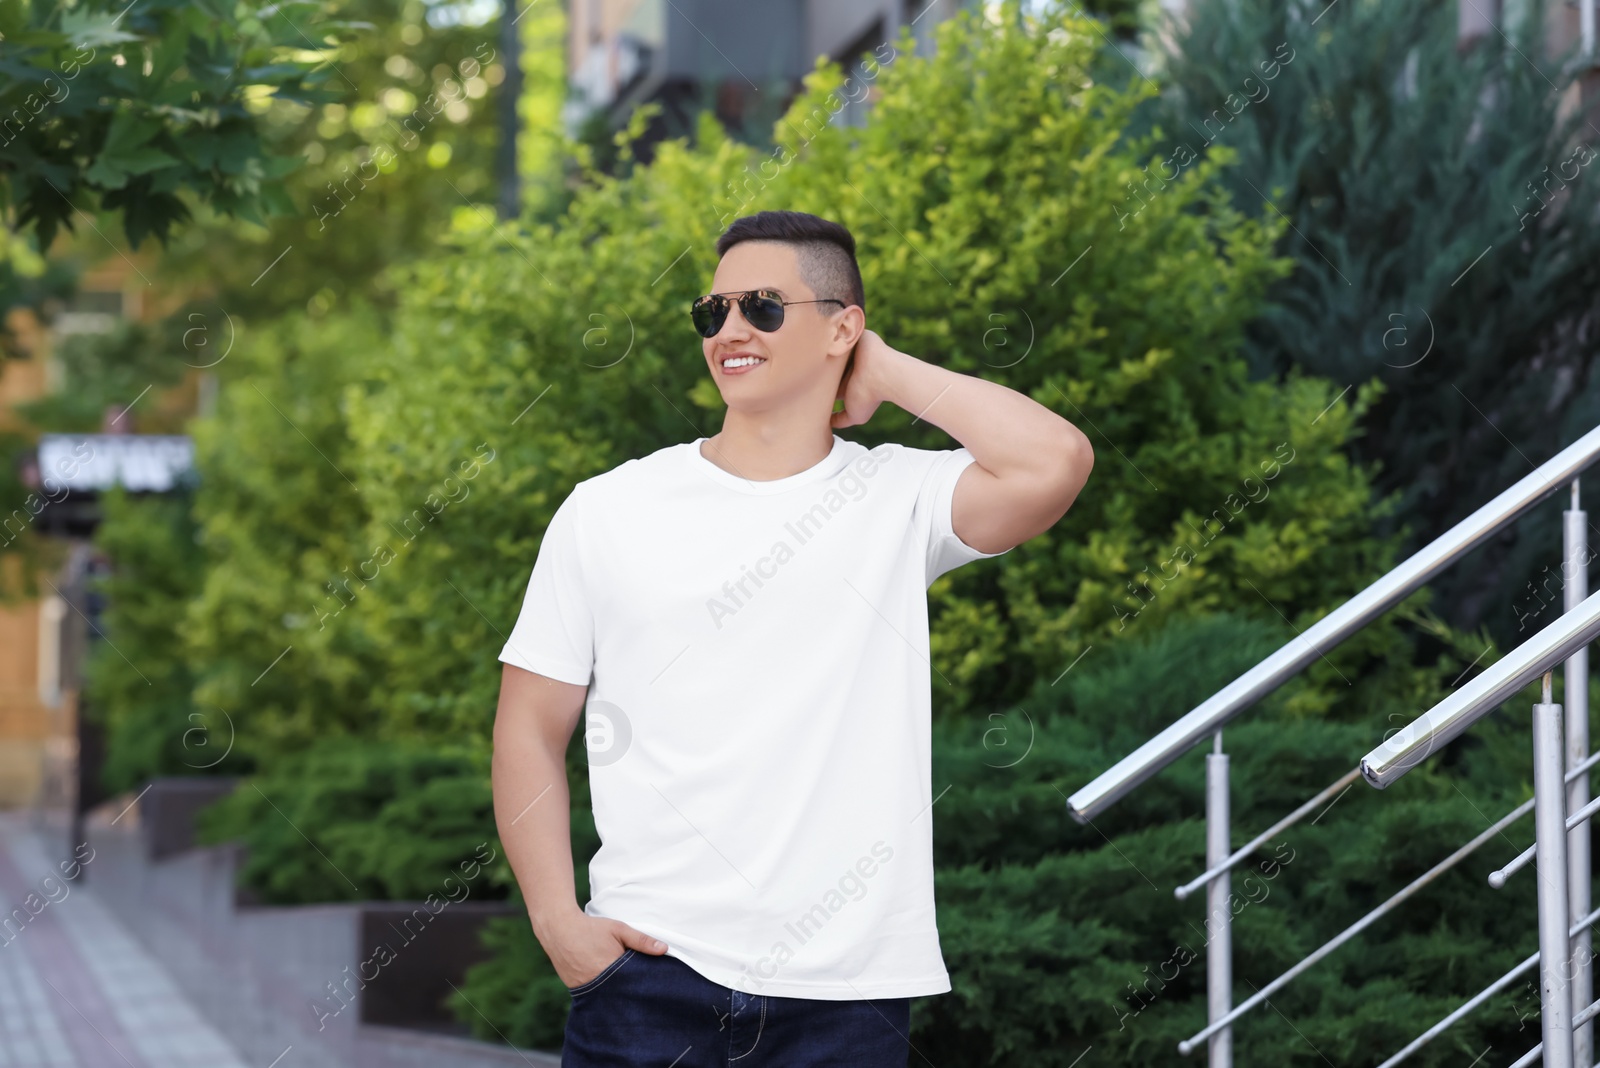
(830, 464)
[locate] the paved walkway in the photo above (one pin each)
(77, 989)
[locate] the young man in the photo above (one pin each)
(746, 616)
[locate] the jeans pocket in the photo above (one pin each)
(605, 973)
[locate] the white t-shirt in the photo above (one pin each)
(758, 713)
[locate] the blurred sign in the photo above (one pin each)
(136, 462)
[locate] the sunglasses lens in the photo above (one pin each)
(763, 312)
(708, 314)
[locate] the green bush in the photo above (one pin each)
(353, 820)
(987, 193)
(138, 686)
(283, 529)
(979, 180)
(1061, 937)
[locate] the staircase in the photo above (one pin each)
(1561, 764)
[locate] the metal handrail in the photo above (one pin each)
(1556, 742)
(1578, 929)
(1481, 996)
(1497, 879)
(1211, 714)
(1193, 1042)
(1533, 1054)
(1414, 742)
(1342, 782)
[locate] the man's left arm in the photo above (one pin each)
(1030, 463)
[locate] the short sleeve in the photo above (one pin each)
(554, 633)
(946, 550)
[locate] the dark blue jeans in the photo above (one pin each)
(649, 1011)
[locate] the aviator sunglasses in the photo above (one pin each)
(762, 309)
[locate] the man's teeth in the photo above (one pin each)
(742, 361)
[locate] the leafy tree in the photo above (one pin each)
(391, 162)
(398, 125)
(27, 280)
(987, 193)
(138, 686)
(1134, 348)
(114, 368)
(1444, 245)
(205, 588)
(275, 633)
(126, 109)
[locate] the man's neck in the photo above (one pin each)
(766, 451)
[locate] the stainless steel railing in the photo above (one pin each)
(1423, 736)
(1333, 628)
(1558, 791)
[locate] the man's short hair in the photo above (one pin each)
(825, 249)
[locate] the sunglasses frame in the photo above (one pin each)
(720, 304)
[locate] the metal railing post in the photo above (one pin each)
(1219, 916)
(1576, 715)
(1555, 943)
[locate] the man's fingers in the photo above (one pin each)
(634, 939)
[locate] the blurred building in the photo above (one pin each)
(45, 637)
(742, 60)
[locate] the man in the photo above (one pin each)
(746, 616)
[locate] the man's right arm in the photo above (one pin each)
(533, 811)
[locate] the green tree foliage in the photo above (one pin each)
(403, 152)
(361, 805)
(987, 194)
(254, 550)
(125, 109)
(409, 90)
(138, 686)
(113, 368)
(1061, 937)
(983, 196)
(1444, 240)
(282, 524)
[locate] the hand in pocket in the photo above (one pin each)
(585, 946)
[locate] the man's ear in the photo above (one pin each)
(845, 321)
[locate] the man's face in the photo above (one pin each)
(793, 360)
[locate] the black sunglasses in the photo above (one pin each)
(761, 308)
